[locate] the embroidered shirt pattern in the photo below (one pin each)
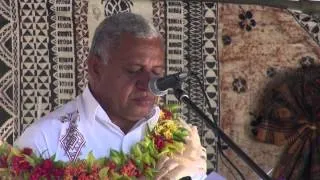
(73, 141)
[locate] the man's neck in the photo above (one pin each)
(124, 124)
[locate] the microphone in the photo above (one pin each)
(159, 86)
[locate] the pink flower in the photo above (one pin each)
(167, 114)
(159, 142)
(3, 161)
(57, 172)
(111, 165)
(47, 164)
(46, 170)
(27, 151)
(19, 165)
(130, 169)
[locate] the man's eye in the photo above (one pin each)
(158, 72)
(133, 71)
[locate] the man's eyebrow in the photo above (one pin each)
(142, 65)
(160, 66)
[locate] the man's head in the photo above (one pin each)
(110, 30)
(126, 52)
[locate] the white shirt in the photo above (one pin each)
(94, 131)
(81, 126)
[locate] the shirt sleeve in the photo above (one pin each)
(199, 177)
(34, 139)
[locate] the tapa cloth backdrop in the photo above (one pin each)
(44, 45)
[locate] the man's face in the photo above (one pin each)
(122, 85)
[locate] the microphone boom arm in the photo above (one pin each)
(180, 95)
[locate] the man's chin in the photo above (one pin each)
(144, 103)
(141, 112)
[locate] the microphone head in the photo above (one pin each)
(152, 84)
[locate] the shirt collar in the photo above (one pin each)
(90, 105)
(92, 109)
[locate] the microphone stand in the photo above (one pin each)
(180, 95)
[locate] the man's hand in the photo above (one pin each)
(191, 162)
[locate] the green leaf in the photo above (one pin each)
(118, 157)
(183, 131)
(115, 175)
(4, 148)
(103, 173)
(164, 151)
(177, 137)
(136, 151)
(26, 176)
(153, 151)
(139, 163)
(36, 159)
(15, 151)
(149, 160)
(176, 146)
(125, 178)
(59, 164)
(150, 173)
(147, 141)
(53, 157)
(30, 160)
(174, 108)
(115, 157)
(90, 160)
(101, 161)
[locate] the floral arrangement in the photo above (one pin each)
(165, 139)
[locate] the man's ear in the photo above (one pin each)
(95, 65)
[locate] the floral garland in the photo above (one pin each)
(165, 139)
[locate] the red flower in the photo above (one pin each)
(111, 165)
(35, 176)
(130, 169)
(159, 142)
(27, 151)
(57, 172)
(74, 171)
(3, 161)
(92, 175)
(88, 177)
(47, 164)
(46, 170)
(19, 165)
(167, 114)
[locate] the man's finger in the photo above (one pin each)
(183, 171)
(161, 162)
(166, 167)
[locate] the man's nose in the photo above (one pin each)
(143, 81)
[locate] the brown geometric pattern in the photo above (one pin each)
(35, 65)
(82, 43)
(174, 45)
(44, 45)
(210, 77)
(116, 6)
(309, 23)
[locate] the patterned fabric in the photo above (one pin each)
(44, 46)
(309, 23)
(42, 59)
(291, 115)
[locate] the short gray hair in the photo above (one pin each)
(107, 34)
